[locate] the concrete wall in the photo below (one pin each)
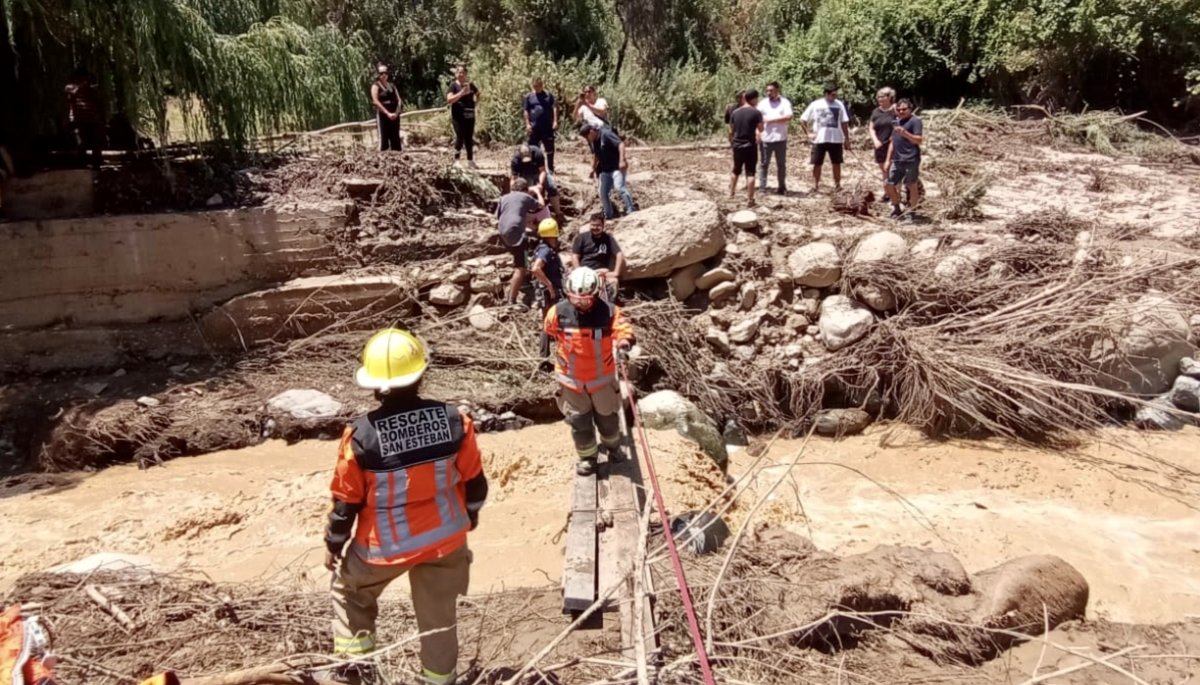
(98, 271)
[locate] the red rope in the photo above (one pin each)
(676, 564)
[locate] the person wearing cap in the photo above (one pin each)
(463, 96)
(407, 488)
(529, 162)
(588, 332)
(610, 164)
(386, 99)
(541, 119)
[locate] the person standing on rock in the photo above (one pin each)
(409, 473)
(541, 120)
(463, 97)
(777, 115)
(883, 119)
(531, 164)
(386, 99)
(830, 134)
(904, 157)
(588, 332)
(548, 270)
(610, 164)
(598, 250)
(513, 213)
(745, 134)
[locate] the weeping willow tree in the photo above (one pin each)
(239, 68)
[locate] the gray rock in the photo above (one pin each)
(1150, 339)
(683, 282)
(460, 277)
(147, 401)
(448, 295)
(722, 292)
(660, 239)
(843, 322)
(744, 353)
(879, 247)
(749, 297)
(713, 277)
(877, 298)
(925, 249)
(744, 331)
(1189, 367)
(809, 306)
(668, 409)
(810, 293)
(481, 319)
(1158, 414)
(746, 219)
(841, 422)
(95, 388)
(119, 373)
(798, 323)
(718, 340)
(734, 435)
(813, 330)
(1185, 394)
(954, 268)
(816, 265)
(215, 201)
(305, 404)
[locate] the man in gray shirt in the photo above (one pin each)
(904, 157)
(512, 214)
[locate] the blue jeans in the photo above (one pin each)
(609, 179)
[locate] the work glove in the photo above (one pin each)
(474, 516)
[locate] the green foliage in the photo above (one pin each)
(682, 101)
(562, 29)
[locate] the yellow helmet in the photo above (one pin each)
(391, 359)
(548, 228)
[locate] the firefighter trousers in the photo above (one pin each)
(436, 585)
(586, 413)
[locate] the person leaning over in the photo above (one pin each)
(587, 331)
(386, 99)
(745, 134)
(541, 120)
(777, 114)
(530, 163)
(883, 118)
(610, 164)
(513, 213)
(904, 158)
(463, 96)
(830, 134)
(409, 485)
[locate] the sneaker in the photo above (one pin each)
(585, 467)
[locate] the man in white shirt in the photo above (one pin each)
(777, 114)
(592, 109)
(830, 134)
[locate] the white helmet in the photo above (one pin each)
(583, 284)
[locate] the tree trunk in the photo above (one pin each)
(624, 43)
(8, 79)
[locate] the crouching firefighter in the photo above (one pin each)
(410, 474)
(586, 329)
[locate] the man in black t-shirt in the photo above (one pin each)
(529, 163)
(609, 164)
(541, 120)
(598, 250)
(462, 97)
(745, 134)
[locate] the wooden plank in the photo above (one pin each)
(579, 561)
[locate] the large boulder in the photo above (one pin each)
(667, 409)
(843, 322)
(816, 265)
(1149, 341)
(661, 239)
(880, 247)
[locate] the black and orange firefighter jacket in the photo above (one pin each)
(410, 473)
(584, 359)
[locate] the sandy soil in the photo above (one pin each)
(1123, 510)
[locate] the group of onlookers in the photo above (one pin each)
(758, 131)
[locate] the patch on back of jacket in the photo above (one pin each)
(412, 431)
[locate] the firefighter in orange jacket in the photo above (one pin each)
(410, 473)
(586, 329)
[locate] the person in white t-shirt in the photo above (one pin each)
(777, 114)
(830, 134)
(591, 109)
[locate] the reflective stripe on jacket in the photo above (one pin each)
(584, 359)
(407, 467)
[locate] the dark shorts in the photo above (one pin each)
(817, 158)
(745, 159)
(520, 259)
(881, 152)
(906, 172)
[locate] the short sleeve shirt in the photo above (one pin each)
(512, 212)
(553, 264)
(745, 122)
(827, 119)
(590, 117)
(608, 149)
(596, 253)
(531, 169)
(464, 108)
(882, 121)
(782, 107)
(541, 112)
(904, 150)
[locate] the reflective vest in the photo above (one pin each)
(24, 647)
(407, 467)
(584, 359)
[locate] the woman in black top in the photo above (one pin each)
(386, 98)
(882, 121)
(463, 96)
